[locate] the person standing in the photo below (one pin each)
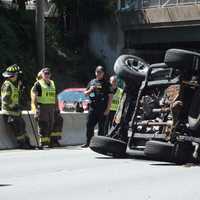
(56, 133)
(117, 94)
(11, 108)
(100, 94)
(44, 100)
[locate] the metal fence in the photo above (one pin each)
(140, 4)
(166, 3)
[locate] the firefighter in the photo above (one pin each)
(100, 94)
(10, 106)
(117, 94)
(45, 102)
(58, 120)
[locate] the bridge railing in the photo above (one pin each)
(142, 4)
(166, 3)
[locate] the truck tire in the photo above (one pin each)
(183, 152)
(131, 68)
(108, 146)
(158, 150)
(180, 59)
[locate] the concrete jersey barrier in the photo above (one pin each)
(74, 130)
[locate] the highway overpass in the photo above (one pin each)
(152, 26)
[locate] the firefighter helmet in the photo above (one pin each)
(12, 70)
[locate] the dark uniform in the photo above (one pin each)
(10, 106)
(45, 110)
(98, 104)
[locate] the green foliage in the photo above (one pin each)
(17, 42)
(68, 58)
(88, 9)
(8, 43)
(66, 54)
(8, 40)
(53, 35)
(16, 36)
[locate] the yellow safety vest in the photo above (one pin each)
(48, 93)
(14, 100)
(116, 99)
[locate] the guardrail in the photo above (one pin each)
(74, 130)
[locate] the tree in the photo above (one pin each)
(90, 9)
(21, 4)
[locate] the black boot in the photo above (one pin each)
(87, 144)
(54, 143)
(25, 144)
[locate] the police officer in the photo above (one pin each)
(10, 105)
(100, 94)
(45, 102)
(117, 94)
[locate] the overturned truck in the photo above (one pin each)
(159, 113)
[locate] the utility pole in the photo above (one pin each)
(40, 33)
(118, 4)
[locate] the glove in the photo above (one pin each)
(10, 119)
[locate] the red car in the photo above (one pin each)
(68, 99)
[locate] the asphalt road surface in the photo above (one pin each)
(74, 173)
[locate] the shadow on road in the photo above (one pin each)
(5, 185)
(142, 158)
(109, 157)
(164, 164)
(75, 147)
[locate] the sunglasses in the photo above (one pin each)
(98, 72)
(46, 73)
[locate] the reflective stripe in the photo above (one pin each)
(21, 137)
(116, 99)
(48, 93)
(6, 112)
(12, 68)
(14, 94)
(45, 139)
(56, 134)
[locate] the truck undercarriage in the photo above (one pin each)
(159, 113)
